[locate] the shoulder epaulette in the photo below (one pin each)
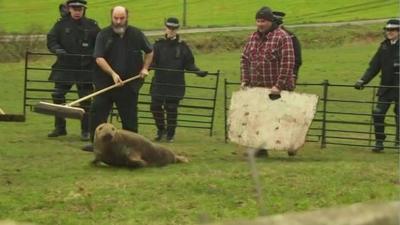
(160, 40)
(61, 19)
(92, 21)
(182, 41)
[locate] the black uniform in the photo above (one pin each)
(168, 87)
(124, 55)
(386, 59)
(69, 36)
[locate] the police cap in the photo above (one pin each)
(76, 3)
(393, 24)
(172, 22)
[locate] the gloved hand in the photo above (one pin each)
(201, 73)
(243, 85)
(60, 51)
(359, 85)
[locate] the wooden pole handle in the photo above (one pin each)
(102, 91)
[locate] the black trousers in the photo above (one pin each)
(58, 95)
(165, 105)
(125, 99)
(379, 114)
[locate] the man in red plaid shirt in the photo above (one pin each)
(268, 56)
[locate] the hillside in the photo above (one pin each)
(22, 16)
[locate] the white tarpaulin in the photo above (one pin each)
(258, 122)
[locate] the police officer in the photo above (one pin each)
(386, 60)
(72, 34)
(171, 57)
(119, 56)
(296, 43)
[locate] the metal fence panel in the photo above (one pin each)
(196, 110)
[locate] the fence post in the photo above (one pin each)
(370, 118)
(214, 103)
(225, 110)
(184, 13)
(325, 100)
(25, 81)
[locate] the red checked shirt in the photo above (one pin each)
(268, 61)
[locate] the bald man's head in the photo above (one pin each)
(119, 9)
(119, 19)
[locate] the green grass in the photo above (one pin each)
(38, 16)
(50, 181)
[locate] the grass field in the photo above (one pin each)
(50, 181)
(38, 16)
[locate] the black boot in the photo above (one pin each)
(160, 135)
(57, 132)
(170, 139)
(378, 147)
(85, 134)
(88, 148)
(59, 124)
(170, 134)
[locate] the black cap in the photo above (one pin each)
(172, 22)
(265, 13)
(278, 16)
(76, 3)
(392, 24)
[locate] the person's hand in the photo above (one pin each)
(243, 85)
(201, 73)
(275, 90)
(117, 79)
(275, 93)
(60, 51)
(144, 73)
(359, 85)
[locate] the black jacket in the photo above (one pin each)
(297, 55)
(297, 52)
(72, 37)
(386, 60)
(123, 54)
(171, 54)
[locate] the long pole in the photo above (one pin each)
(184, 13)
(256, 179)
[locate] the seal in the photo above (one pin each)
(123, 148)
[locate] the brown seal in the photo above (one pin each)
(127, 149)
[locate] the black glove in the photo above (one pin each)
(359, 85)
(60, 51)
(274, 96)
(201, 73)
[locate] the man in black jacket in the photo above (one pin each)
(119, 56)
(171, 57)
(72, 37)
(296, 43)
(386, 60)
